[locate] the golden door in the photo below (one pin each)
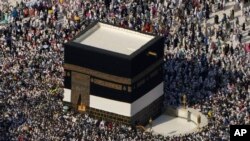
(80, 85)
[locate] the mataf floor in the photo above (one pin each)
(172, 126)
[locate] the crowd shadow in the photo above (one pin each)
(190, 87)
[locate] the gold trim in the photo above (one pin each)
(107, 84)
(124, 88)
(98, 74)
(68, 74)
(80, 90)
(129, 89)
(113, 78)
(152, 53)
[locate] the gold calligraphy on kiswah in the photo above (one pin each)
(108, 84)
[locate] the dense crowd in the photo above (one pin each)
(210, 64)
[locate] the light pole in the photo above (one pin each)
(199, 121)
(150, 124)
(184, 101)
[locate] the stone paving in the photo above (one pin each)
(175, 122)
(171, 126)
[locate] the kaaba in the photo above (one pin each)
(114, 74)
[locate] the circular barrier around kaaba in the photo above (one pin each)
(177, 121)
(190, 114)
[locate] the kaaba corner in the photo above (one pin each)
(115, 73)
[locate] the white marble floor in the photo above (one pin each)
(170, 126)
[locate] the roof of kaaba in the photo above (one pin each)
(112, 38)
(113, 50)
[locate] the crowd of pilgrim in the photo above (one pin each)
(206, 61)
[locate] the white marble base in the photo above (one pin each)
(175, 121)
(172, 126)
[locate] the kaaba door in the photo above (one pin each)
(80, 90)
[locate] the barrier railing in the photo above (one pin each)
(190, 114)
(142, 128)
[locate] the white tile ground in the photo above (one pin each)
(172, 126)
